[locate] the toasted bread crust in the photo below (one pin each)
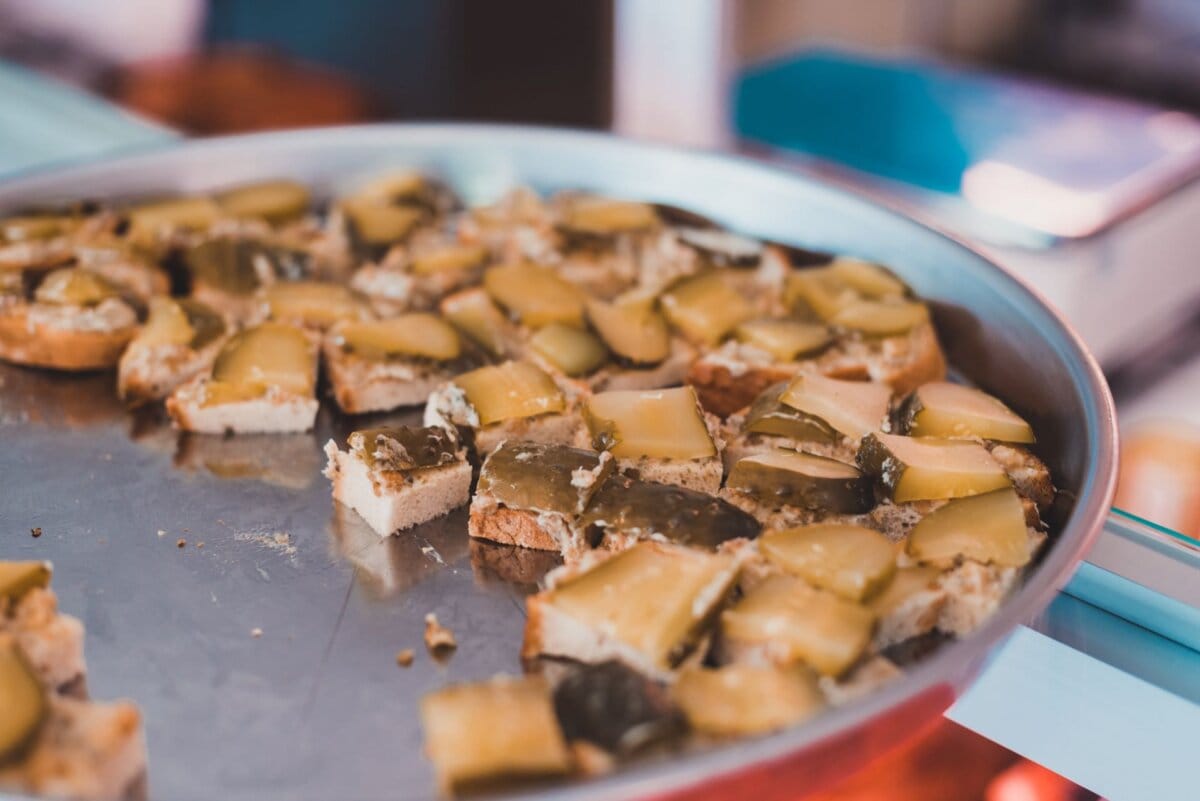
(362, 386)
(25, 342)
(723, 391)
(509, 527)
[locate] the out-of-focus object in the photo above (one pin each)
(1088, 198)
(239, 89)
(42, 120)
(1028, 781)
(1160, 475)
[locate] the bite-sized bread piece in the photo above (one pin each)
(263, 380)
(511, 401)
(75, 320)
(658, 435)
(399, 477)
(493, 733)
(52, 643)
(903, 362)
(386, 364)
(599, 613)
(82, 750)
(227, 271)
(973, 592)
(626, 510)
(784, 620)
(180, 340)
(530, 494)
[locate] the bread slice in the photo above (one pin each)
(276, 411)
(52, 642)
(393, 500)
(66, 337)
(525, 528)
(447, 407)
(973, 593)
(368, 385)
(84, 750)
(152, 371)
(1029, 474)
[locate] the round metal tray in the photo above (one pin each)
(316, 706)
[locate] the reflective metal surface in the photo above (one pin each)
(316, 706)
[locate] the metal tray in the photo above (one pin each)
(316, 706)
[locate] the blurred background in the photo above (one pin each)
(1059, 135)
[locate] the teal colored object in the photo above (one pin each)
(43, 121)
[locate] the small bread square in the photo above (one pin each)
(368, 385)
(392, 492)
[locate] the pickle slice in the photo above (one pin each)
(419, 335)
(743, 700)
(794, 621)
(573, 350)
(786, 340)
(942, 409)
(881, 317)
(271, 354)
(930, 468)
(855, 408)
(148, 220)
(406, 188)
(705, 308)
(227, 263)
(184, 322)
(473, 312)
(654, 598)
(818, 290)
(274, 202)
(633, 330)
(988, 528)
(852, 561)
(869, 280)
(75, 286)
(543, 478)
(780, 477)
(314, 303)
(462, 725)
(22, 699)
(405, 447)
(534, 294)
(907, 582)
(509, 391)
(377, 224)
(722, 248)
(629, 507)
(591, 216)
(660, 423)
(18, 578)
(450, 258)
(769, 415)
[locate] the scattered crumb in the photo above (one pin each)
(404, 658)
(36, 531)
(432, 552)
(438, 639)
(200, 544)
(256, 632)
(277, 541)
(181, 542)
(162, 533)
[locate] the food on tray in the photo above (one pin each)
(930, 468)
(743, 699)
(263, 379)
(53, 741)
(601, 612)
(660, 435)
(759, 494)
(397, 478)
(942, 409)
(378, 365)
(484, 735)
(178, 341)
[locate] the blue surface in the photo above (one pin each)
(43, 121)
